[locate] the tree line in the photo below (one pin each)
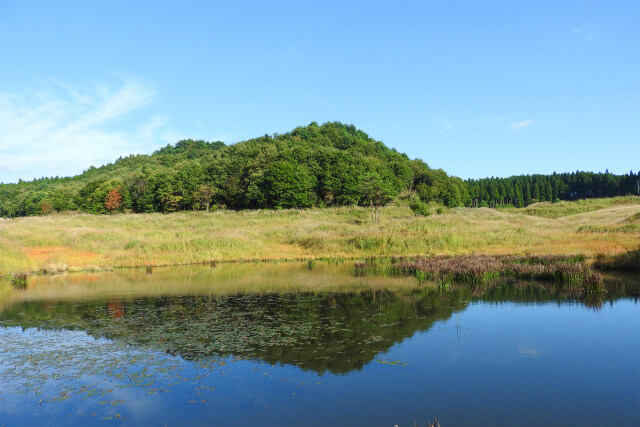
(521, 191)
(332, 164)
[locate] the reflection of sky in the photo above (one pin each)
(581, 366)
(492, 363)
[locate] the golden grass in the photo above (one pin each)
(561, 209)
(80, 241)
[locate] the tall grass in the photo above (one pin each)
(566, 271)
(80, 241)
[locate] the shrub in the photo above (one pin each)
(420, 208)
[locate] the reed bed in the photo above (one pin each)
(566, 271)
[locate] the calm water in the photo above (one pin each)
(285, 344)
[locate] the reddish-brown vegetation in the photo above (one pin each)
(113, 201)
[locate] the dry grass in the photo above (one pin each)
(562, 209)
(78, 241)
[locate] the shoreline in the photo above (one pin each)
(594, 263)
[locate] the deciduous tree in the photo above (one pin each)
(113, 201)
(203, 195)
(375, 192)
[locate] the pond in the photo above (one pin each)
(313, 344)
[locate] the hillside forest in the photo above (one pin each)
(332, 164)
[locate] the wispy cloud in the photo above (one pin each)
(521, 125)
(584, 34)
(447, 125)
(60, 130)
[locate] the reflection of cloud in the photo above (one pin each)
(61, 130)
(527, 351)
(521, 125)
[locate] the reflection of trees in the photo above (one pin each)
(335, 332)
(323, 332)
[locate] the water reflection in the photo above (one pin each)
(334, 332)
(321, 319)
(282, 343)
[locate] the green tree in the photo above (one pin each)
(519, 202)
(288, 185)
(203, 195)
(376, 193)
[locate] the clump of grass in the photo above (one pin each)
(19, 281)
(593, 283)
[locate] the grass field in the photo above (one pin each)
(77, 241)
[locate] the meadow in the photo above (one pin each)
(74, 241)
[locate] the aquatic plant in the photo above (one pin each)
(566, 271)
(593, 283)
(19, 281)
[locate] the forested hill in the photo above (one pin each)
(314, 165)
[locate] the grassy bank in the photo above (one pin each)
(79, 241)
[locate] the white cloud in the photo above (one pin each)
(521, 125)
(60, 130)
(584, 34)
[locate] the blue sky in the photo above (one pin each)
(477, 88)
